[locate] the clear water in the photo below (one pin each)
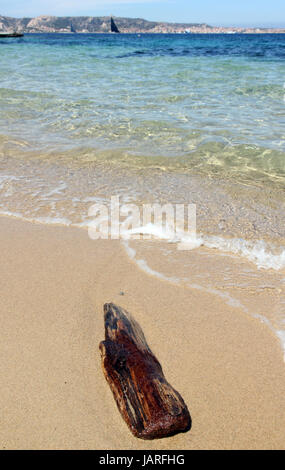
(209, 106)
(153, 95)
(148, 113)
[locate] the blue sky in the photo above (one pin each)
(214, 12)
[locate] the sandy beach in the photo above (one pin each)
(54, 281)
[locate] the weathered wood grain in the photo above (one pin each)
(147, 402)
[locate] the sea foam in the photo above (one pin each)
(262, 254)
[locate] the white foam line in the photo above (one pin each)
(38, 220)
(257, 252)
(281, 336)
(226, 297)
(145, 267)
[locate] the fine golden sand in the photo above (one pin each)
(54, 281)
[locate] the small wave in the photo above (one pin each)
(263, 255)
(259, 252)
(225, 296)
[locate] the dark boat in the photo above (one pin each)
(114, 28)
(72, 29)
(11, 35)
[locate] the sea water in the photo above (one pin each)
(186, 118)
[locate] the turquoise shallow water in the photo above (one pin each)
(211, 105)
(153, 95)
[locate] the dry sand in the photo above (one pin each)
(54, 282)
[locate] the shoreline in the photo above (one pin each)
(54, 395)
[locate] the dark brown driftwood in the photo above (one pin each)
(149, 405)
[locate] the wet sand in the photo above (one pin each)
(54, 281)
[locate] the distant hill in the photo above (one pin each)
(87, 24)
(101, 24)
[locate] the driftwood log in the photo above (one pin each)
(147, 402)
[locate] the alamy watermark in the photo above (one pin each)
(172, 222)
